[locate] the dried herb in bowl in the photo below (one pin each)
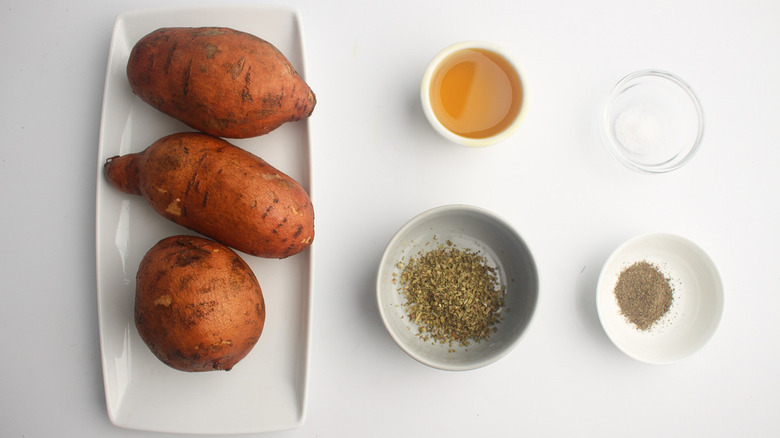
(452, 295)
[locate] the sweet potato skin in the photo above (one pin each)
(219, 190)
(198, 305)
(218, 80)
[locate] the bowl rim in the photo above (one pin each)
(601, 291)
(425, 90)
(384, 261)
(608, 137)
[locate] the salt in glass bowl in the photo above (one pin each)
(481, 231)
(652, 122)
(697, 304)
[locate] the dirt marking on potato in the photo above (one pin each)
(163, 300)
(174, 208)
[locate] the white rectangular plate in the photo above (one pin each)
(267, 390)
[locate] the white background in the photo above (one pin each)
(377, 163)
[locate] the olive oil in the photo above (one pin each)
(476, 93)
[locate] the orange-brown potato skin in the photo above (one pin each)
(218, 80)
(219, 190)
(198, 305)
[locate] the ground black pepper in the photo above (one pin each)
(644, 294)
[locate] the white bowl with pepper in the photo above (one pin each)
(457, 287)
(659, 298)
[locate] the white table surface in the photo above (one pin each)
(377, 163)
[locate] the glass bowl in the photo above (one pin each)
(652, 122)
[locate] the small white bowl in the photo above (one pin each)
(652, 122)
(696, 308)
(478, 230)
(425, 94)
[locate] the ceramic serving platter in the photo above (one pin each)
(267, 390)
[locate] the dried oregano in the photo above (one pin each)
(452, 295)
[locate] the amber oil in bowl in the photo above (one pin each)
(472, 94)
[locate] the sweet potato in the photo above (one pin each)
(198, 305)
(218, 80)
(224, 192)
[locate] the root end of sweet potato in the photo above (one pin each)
(123, 172)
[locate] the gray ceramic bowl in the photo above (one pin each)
(479, 230)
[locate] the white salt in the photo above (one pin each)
(642, 130)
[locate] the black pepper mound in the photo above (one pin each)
(452, 295)
(644, 294)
